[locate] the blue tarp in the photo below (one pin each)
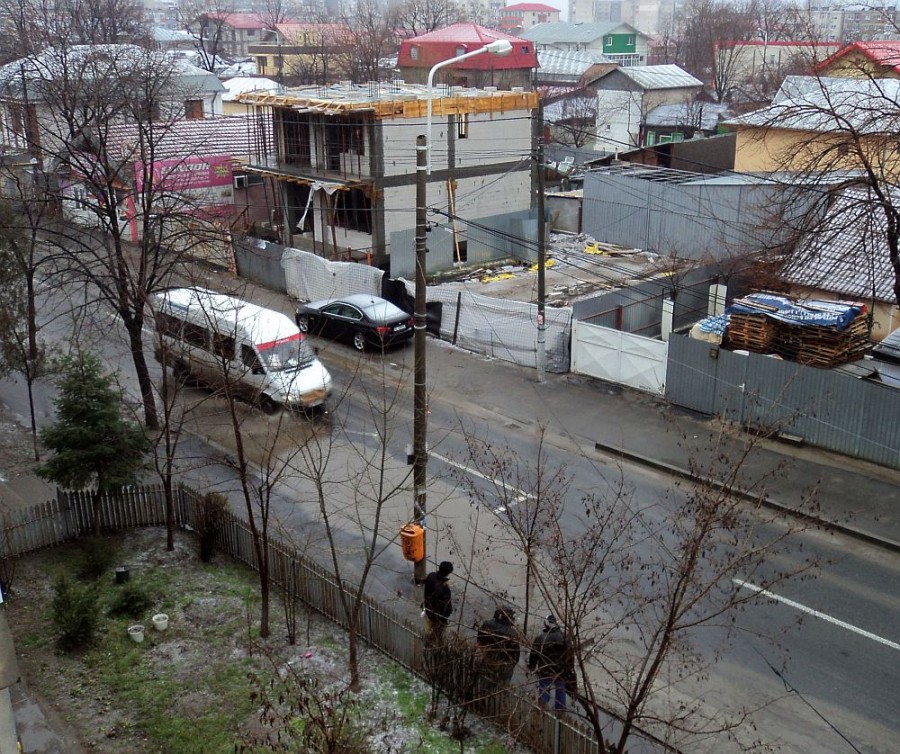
(810, 313)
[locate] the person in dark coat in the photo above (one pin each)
(438, 602)
(551, 660)
(498, 641)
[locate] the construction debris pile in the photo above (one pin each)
(818, 333)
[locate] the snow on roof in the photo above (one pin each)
(704, 115)
(231, 135)
(809, 103)
(234, 87)
(567, 63)
(566, 33)
(847, 254)
(660, 77)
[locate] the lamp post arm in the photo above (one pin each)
(500, 47)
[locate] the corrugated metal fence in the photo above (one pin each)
(826, 408)
(71, 515)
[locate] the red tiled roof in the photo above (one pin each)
(886, 53)
(442, 44)
(532, 7)
(232, 135)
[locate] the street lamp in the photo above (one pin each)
(420, 411)
(498, 47)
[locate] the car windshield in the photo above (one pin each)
(288, 353)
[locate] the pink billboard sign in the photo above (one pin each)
(187, 174)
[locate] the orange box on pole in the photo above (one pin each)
(412, 540)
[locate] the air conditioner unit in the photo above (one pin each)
(240, 181)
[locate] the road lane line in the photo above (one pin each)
(816, 613)
(520, 496)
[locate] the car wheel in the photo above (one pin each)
(359, 341)
(303, 323)
(267, 405)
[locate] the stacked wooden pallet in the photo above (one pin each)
(763, 323)
(751, 332)
(823, 346)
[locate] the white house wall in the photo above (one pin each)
(479, 196)
(493, 138)
(618, 120)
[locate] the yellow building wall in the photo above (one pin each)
(855, 65)
(767, 150)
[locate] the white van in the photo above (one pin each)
(212, 337)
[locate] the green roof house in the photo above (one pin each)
(618, 42)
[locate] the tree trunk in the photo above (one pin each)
(136, 345)
(96, 499)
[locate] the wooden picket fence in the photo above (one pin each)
(512, 708)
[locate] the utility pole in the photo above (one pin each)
(420, 411)
(541, 246)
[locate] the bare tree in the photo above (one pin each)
(633, 582)
(416, 17)
(361, 490)
(207, 23)
(21, 348)
(372, 37)
(577, 119)
(76, 102)
(846, 149)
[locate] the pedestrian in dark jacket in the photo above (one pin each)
(551, 660)
(498, 640)
(438, 602)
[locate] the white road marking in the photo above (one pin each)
(816, 614)
(520, 496)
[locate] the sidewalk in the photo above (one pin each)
(595, 418)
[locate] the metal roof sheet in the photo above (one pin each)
(566, 33)
(567, 64)
(235, 87)
(704, 115)
(660, 77)
(847, 254)
(809, 103)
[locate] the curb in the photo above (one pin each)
(858, 534)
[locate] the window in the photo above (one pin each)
(462, 126)
(262, 62)
(193, 109)
(524, 49)
(196, 335)
(166, 324)
(223, 346)
(249, 358)
(608, 41)
(414, 53)
(631, 40)
(460, 50)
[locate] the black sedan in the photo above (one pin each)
(362, 319)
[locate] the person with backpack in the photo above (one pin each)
(498, 641)
(551, 660)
